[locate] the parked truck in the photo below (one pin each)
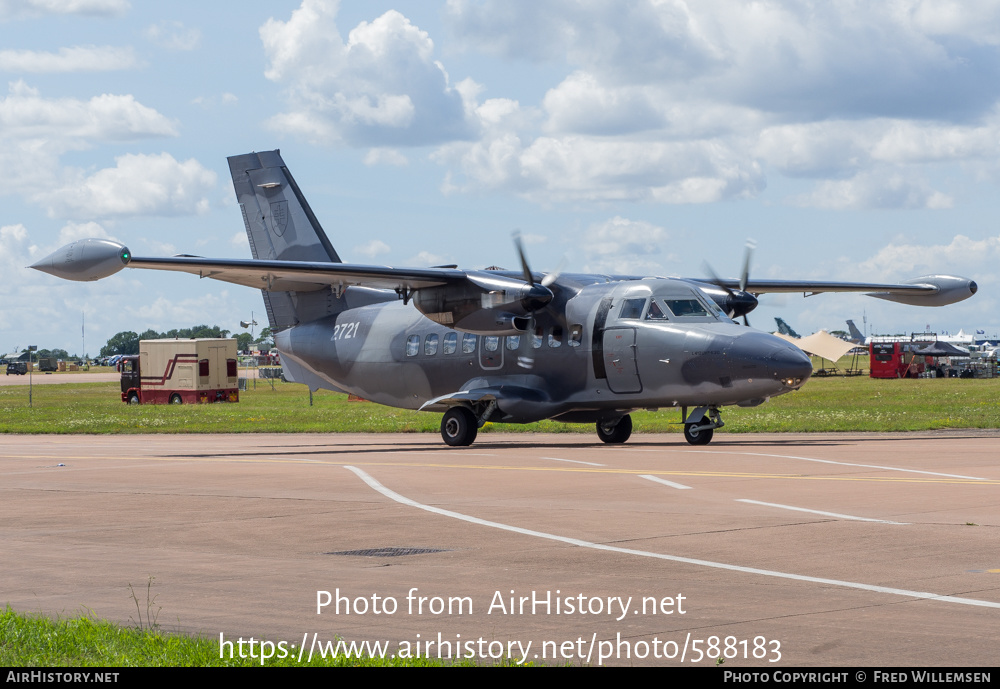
(176, 371)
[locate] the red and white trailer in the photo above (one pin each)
(178, 371)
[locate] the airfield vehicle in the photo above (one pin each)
(18, 368)
(179, 371)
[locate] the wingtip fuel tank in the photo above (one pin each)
(949, 289)
(86, 260)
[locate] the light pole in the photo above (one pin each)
(250, 324)
(31, 367)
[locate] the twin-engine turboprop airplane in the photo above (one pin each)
(492, 345)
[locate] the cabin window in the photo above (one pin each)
(555, 337)
(491, 343)
(536, 338)
(431, 344)
(203, 368)
(469, 343)
(231, 371)
(450, 343)
(632, 308)
(575, 335)
(513, 342)
(412, 345)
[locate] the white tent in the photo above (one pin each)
(822, 344)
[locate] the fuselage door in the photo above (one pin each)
(491, 351)
(619, 360)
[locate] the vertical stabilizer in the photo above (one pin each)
(786, 329)
(856, 335)
(281, 226)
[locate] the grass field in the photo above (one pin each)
(824, 404)
(37, 641)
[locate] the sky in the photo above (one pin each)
(850, 140)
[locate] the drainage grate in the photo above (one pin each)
(388, 552)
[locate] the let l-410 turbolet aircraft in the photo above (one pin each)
(493, 345)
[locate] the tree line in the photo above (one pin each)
(127, 342)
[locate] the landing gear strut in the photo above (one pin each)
(700, 425)
(617, 432)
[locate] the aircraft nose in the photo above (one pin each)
(790, 365)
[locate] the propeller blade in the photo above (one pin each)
(550, 278)
(747, 253)
(526, 350)
(717, 281)
(524, 260)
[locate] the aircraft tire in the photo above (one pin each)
(458, 427)
(176, 399)
(617, 435)
(133, 398)
(703, 437)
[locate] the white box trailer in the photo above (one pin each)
(176, 371)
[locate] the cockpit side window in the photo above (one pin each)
(632, 308)
(655, 313)
(686, 307)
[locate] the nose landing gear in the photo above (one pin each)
(700, 424)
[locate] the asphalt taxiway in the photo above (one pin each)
(806, 549)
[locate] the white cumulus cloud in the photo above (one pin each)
(876, 189)
(624, 246)
(21, 8)
(173, 35)
(380, 87)
(73, 59)
(139, 184)
(375, 247)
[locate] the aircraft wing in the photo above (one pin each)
(302, 276)
(93, 259)
(476, 301)
(929, 290)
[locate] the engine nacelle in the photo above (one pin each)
(486, 305)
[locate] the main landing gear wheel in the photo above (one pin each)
(617, 433)
(702, 437)
(459, 427)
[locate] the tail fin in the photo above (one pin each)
(856, 334)
(281, 226)
(785, 329)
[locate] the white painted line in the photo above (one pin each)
(825, 514)
(678, 486)
(574, 461)
(392, 495)
(423, 453)
(845, 464)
